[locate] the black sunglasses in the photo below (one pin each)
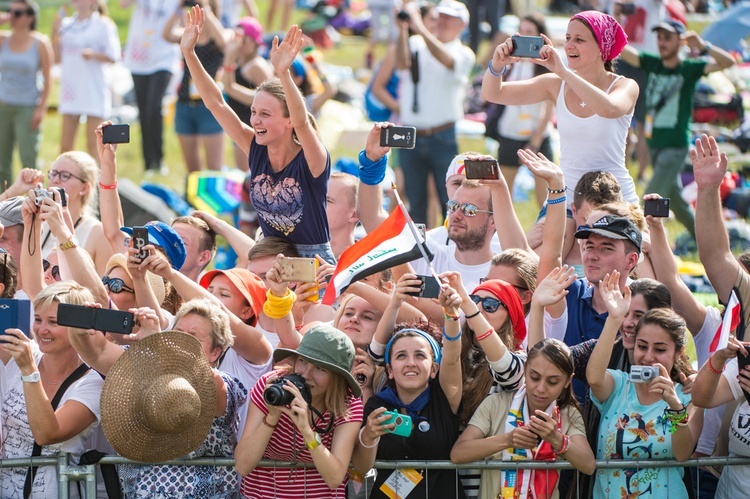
(116, 285)
(489, 304)
(21, 12)
(55, 269)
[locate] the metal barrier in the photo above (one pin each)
(67, 473)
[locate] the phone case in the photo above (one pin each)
(481, 169)
(402, 421)
(527, 46)
(15, 314)
(116, 134)
(656, 207)
(76, 316)
(430, 287)
(113, 321)
(404, 137)
(298, 269)
(140, 239)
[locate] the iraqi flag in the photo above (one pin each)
(729, 324)
(393, 243)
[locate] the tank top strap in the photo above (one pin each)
(613, 83)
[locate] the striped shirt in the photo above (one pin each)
(298, 483)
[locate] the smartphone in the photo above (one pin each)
(100, 319)
(527, 46)
(140, 239)
(429, 288)
(422, 229)
(404, 137)
(656, 207)
(15, 314)
(743, 361)
(481, 169)
(298, 269)
(402, 421)
(116, 134)
(627, 9)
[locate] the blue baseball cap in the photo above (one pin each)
(164, 236)
(670, 25)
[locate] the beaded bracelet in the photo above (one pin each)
(486, 335)
(713, 369)
(492, 71)
(565, 445)
(450, 317)
(451, 338)
(557, 191)
(557, 201)
(265, 422)
(377, 440)
(473, 315)
(110, 186)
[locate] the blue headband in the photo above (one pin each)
(433, 344)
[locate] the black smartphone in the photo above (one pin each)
(527, 46)
(404, 137)
(429, 287)
(100, 319)
(140, 239)
(116, 134)
(189, 3)
(656, 207)
(15, 314)
(481, 169)
(627, 9)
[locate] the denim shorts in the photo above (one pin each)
(193, 118)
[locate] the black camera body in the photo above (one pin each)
(403, 15)
(275, 395)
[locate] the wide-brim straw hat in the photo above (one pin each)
(159, 398)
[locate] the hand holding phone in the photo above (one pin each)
(527, 47)
(656, 207)
(482, 169)
(99, 319)
(298, 269)
(140, 239)
(428, 289)
(116, 134)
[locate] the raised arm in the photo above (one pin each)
(383, 76)
(710, 166)
(372, 166)
(618, 303)
(282, 55)
(509, 231)
(380, 300)
(31, 258)
(631, 56)
(551, 290)
(720, 58)
(711, 388)
(407, 283)
(240, 242)
(451, 380)
(110, 208)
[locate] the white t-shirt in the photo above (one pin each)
(18, 441)
(248, 374)
(734, 479)
(146, 50)
(638, 25)
(84, 84)
(711, 417)
(441, 91)
(445, 260)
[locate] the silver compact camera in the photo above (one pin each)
(39, 195)
(643, 374)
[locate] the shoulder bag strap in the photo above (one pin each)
(74, 376)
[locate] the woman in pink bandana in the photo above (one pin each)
(594, 105)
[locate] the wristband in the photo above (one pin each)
(473, 315)
(377, 440)
(492, 71)
(229, 67)
(371, 172)
(557, 201)
(713, 369)
(265, 422)
(277, 307)
(451, 338)
(565, 445)
(108, 187)
(557, 191)
(486, 335)
(707, 46)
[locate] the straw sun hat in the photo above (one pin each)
(159, 398)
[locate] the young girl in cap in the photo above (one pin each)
(540, 421)
(424, 383)
(594, 105)
(318, 425)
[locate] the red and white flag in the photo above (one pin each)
(392, 243)
(729, 324)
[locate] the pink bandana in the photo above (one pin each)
(608, 33)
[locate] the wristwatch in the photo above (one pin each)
(70, 243)
(32, 378)
(316, 442)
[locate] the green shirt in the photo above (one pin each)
(669, 98)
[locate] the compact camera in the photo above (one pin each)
(39, 195)
(643, 374)
(402, 421)
(275, 394)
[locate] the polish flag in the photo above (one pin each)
(729, 324)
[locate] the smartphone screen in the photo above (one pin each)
(140, 239)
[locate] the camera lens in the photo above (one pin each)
(275, 395)
(403, 15)
(398, 421)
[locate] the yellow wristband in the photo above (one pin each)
(277, 307)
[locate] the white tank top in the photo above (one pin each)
(593, 144)
(82, 232)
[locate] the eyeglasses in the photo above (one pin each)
(468, 209)
(116, 285)
(55, 269)
(489, 304)
(19, 13)
(64, 176)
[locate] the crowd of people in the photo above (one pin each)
(566, 342)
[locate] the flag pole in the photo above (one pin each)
(414, 233)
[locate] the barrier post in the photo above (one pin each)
(67, 473)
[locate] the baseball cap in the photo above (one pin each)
(670, 25)
(456, 167)
(10, 212)
(454, 8)
(614, 228)
(252, 29)
(164, 236)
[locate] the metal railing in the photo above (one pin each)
(67, 473)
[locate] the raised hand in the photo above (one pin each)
(549, 58)
(554, 287)
(107, 151)
(373, 150)
(540, 165)
(501, 57)
(196, 17)
(709, 164)
(450, 300)
(282, 54)
(616, 301)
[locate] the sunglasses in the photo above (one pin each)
(116, 285)
(489, 304)
(19, 13)
(64, 176)
(468, 209)
(55, 269)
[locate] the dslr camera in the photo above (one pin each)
(402, 15)
(275, 394)
(643, 374)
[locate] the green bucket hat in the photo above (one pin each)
(326, 347)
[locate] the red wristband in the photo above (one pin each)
(486, 335)
(108, 187)
(712, 368)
